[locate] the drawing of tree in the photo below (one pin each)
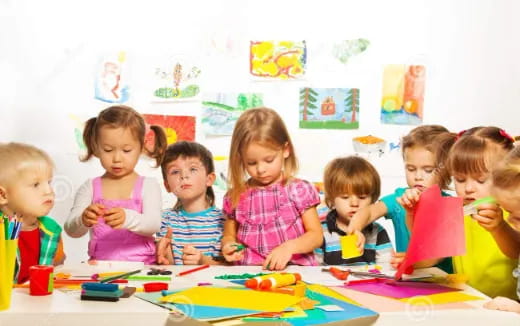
(352, 103)
(308, 101)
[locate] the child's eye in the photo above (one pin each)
(411, 169)
(428, 170)
(481, 181)
(127, 150)
(36, 184)
(194, 170)
(460, 180)
(107, 150)
(251, 163)
(269, 160)
(174, 172)
(362, 197)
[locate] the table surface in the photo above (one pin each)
(66, 308)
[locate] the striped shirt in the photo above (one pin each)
(202, 230)
(377, 250)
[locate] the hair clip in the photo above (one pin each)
(460, 134)
(506, 135)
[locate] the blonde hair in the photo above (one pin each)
(17, 158)
(350, 175)
(265, 127)
(478, 150)
(507, 174)
(121, 116)
(436, 139)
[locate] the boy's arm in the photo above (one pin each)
(59, 258)
(367, 215)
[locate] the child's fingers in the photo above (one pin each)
(190, 250)
(169, 233)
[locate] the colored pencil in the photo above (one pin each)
(189, 271)
(120, 276)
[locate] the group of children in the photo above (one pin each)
(269, 216)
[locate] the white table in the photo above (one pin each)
(66, 308)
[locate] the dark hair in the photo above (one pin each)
(121, 116)
(190, 149)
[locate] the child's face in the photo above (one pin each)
(472, 187)
(419, 168)
(264, 164)
(119, 151)
(509, 199)
(31, 194)
(348, 204)
(187, 179)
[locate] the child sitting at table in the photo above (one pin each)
(26, 192)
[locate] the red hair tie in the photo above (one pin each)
(460, 134)
(506, 135)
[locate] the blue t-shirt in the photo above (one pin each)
(203, 230)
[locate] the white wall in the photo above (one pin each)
(48, 52)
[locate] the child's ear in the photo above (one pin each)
(210, 179)
(3, 196)
(286, 150)
(167, 186)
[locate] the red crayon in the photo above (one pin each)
(193, 270)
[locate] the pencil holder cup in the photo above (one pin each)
(7, 262)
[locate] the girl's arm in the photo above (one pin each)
(229, 237)
(307, 242)
(367, 215)
(507, 239)
(149, 222)
(74, 226)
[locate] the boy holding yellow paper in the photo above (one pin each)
(26, 192)
(352, 183)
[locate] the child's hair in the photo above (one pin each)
(437, 140)
(507, 174)
(189, 149)
(266, 127)
(478, 150)
(17, 157)
(121, 116)
(350, 175)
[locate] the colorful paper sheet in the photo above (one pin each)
(384, 304)
(233, 298)
(441, 298)
(400, 290)
(348, 246)
(438, 229)
(196, 311)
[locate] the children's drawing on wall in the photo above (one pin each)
(111, 84)
(346, 49)
(403, 94)
(176, 128)
(329, 108)
(176, 79)
(278, 59)
(394, 145)
(221, 111)
(221, 165)
(79, 125)
(369, 145)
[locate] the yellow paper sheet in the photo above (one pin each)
(349, 247)
(233, 298)
(440, 298)
(331, 293)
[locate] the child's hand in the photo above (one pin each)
(191, 256)
(504, 304)
(489, 216)
(115, 217)
(360, 244)
(231, 253)
(410, 198)
(164, 253)
(278, 258)
(91, 214)
(397, 259)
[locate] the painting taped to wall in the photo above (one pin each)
(221, 111)
(403, 94)
(176, 128)
(111, 84)
(176, 78)
(329, 108)
(278, 59)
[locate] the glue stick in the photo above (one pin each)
(278, 280)
(254, 282)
